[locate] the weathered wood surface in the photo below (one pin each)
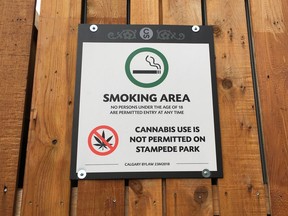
(189, 197)
(103, 197)
(270, 31)
(241, 191)
(185, 12)
(106, 12)
(46, 189)
(145, 197)
(15, 41)
(144, 12)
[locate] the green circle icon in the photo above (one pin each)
(158, 75)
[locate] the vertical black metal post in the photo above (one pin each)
(255, 88)
(128, 12)
(204, 12)
(84, 12)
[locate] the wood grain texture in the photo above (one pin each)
(106, 12)
(145, 197)
(186, 196)
(270, 31)
(145, 12)
(103, 197)
(18, 202)
(215, 193)
(189, 197)
(16, 24)
(73, 203)
(181, 12)
(46, 189)
(241, 191)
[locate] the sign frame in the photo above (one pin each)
(192, 34)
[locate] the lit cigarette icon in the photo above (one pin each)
(151, 61)
(146, 71)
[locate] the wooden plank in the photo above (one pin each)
(241, 191)
(103, 197)
(184, 12)
(145, 12)
(106, 12)
(186, 196)
(46, 189)
(16, 23)
(189, 197)
(270, 21)
(145, 196)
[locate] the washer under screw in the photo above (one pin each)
(195, 28)
(206, 173)
(93, 28)
(82, 174)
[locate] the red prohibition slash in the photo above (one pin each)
(104, 143)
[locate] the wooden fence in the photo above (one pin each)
(252, 83)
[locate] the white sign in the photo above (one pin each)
(146, 110)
